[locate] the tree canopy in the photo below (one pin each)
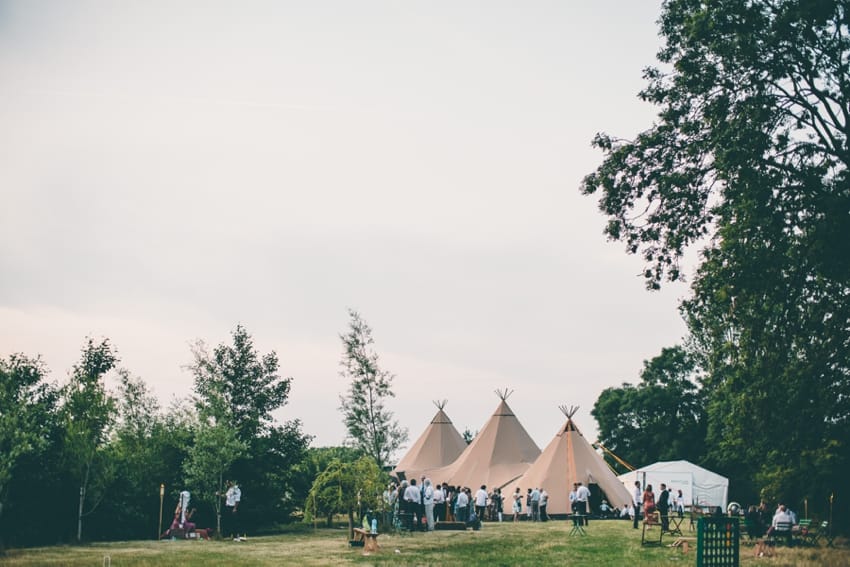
(749, 159)
(662, 418)
(238, 388)
(86, 460)
(370, 424)
(345, 487)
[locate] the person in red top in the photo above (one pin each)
(648, 501)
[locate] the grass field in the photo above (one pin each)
(611, 543)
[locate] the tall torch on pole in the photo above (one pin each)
(161, 496)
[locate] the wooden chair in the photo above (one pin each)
(651, 521)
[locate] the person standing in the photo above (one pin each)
(663, 506)
(439, 504)
(481, 501)
(535, 505)
(517, 504)
(583, 499)
(680, 504)
(573, 499)
(387, 503)
(637, 498)
(544, 502)
(422, 501)
(232, 498)
(451, 501)
(428, 501)
(185, 498)
(413, 498)
(498, 503)
(648, 501)
(462, 505)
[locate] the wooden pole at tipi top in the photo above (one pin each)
(572, 475)
(568, 411)
(504, 394)
(440, 404)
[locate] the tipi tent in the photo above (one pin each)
(569, 458)
(439, 445)
(501, 452)
(699, 486)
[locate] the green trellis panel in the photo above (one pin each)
(718, 542)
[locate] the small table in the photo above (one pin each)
(674, 525)
(370, 539)
(578, 527)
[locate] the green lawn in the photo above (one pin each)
(607, 543)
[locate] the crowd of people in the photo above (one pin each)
(420, 505)
(645, 501)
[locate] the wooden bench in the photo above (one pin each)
(684, 543)
(369, 539)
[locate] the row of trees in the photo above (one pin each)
(749, 158)
(85, 460)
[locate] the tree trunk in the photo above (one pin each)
(80, 514)
(350, 524)
(218, 509)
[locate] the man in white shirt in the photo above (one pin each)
(439, 504)
(481, 501)
(462, 506)
(232, 498)
(637, 497)
(535, 505)
(582, 499)
(783, 516)
(428, 501)
(781, 524)
(413, 498)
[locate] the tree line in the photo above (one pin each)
(83, 461)
(749, 159)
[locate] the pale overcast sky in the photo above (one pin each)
(171, 169)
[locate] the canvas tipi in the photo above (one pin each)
(570, 458)
(439, 445)
(501, 452)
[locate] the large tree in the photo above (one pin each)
(316, 460)
(371, 426)
(89, 413)
(239, 388)
(210, 458)
(26, 402)
(750, 157)
(146, 449)
(345, 487)
(660, 419)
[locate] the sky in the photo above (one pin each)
(169, 170)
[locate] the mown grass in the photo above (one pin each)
(607, 543)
